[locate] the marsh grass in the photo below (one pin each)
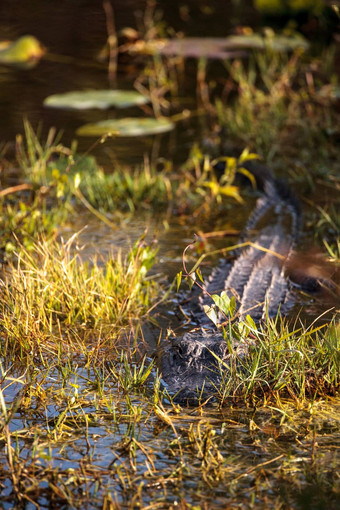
(59, 180)
(26, 219)
(46, 202)
(126, 190)
(35, 154)
(50, 286)
(276, 105)
(301, 364)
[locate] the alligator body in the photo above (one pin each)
(256, 279)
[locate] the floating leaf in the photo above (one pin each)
(102, 99)
(193, 47)
(24, 52)
(218, 47)
(127, 127)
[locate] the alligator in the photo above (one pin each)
(193, 365)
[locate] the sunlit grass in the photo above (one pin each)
(126, 190)
(25, 219)
(59, 179)
(50, 287)
(301, 364)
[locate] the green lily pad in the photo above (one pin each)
(102, 99)
(24, 51)
(128, 126)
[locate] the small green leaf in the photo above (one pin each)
(211, 313)
(199, 274)
(251, 322)
(179, 279)
(77, 180)
(246, 156)
(190, 283)
(232, 306)
(191, 280)
(226, 304)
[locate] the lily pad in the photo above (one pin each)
(186, 47)
(102, 99)
(128, 126)
(25, 51)
(219, 47)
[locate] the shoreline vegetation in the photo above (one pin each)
(85, 419)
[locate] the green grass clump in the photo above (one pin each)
(26, 219)
(50, 287)
(34, 155)
(126, 190)
(40, 204)
(301, 364)
(65, 177)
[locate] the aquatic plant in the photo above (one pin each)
(60, 172)
(272, 101)
(40, 204)
(34, 155)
